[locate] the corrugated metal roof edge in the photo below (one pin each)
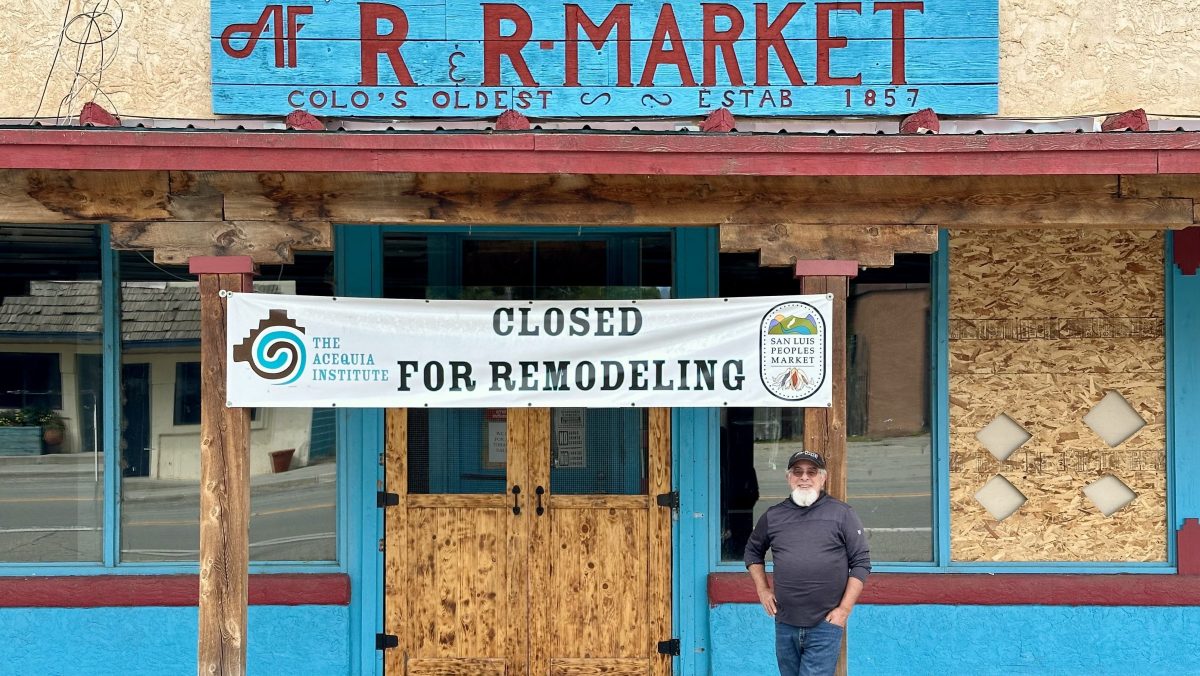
(753, 125)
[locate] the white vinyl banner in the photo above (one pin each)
(307, 351)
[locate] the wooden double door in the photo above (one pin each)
(510, 553)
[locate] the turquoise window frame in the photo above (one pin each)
(110, 563)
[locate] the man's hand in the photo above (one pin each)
(838, 616)
(767, 598)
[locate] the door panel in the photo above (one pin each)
(604, 563)
(456, 583)
(459, 667)
(584, 667)
(459, 564)
(598, 576)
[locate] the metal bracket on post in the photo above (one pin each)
(386, 641)
(384, 499)
(670, 647)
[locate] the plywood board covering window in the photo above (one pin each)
(1043, 326)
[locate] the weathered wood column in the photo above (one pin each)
(224, 479)
(825, 428)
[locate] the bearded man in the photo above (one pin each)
(821, 564)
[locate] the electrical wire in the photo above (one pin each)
(94, 29)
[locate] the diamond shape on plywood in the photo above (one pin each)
(1113, 419)
(1002, 436)
(1000, 498)
(1109, 494)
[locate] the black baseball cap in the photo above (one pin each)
(813, 457)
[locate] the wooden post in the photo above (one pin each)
(224, 479)
(825, 428)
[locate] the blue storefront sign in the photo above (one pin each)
(598, 58)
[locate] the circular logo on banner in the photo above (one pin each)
(275, 350)
(792, 350)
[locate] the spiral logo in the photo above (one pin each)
(275, 350)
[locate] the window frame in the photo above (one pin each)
(348, 423)
(54, 373)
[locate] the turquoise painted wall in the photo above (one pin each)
(291, 640)
(981, 640)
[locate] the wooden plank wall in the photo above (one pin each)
(1042, 325)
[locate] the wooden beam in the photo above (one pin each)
(872, 246)
(1180, 186)
(588, 200)
(265, 242)
(37, 196)
(487, 199)
(224, 493)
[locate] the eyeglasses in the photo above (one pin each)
(801, 472)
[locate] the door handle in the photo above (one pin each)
(516, 491)
(539, 491)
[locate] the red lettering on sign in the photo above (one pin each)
(496, 45)
(374, 43)
(285, 37)
(769, 35)
(826, 42)
(721, 40)
(666, 29)
(617, 19)
(898, 9)
(293, 30)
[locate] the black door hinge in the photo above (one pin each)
(383, 499)
(668, 499)
(670, 647)
(386, 641)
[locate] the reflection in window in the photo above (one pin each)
(601, 451)
(30, 380)
(293, 452)
(51, 454)
(889, 462)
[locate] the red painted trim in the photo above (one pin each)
(1187, 251)
(548, 153)
(102, 591)
(511, 120)
(1187, 542)
(921, 121)
(303, 120)
(221, 265)
(719, 120)
(826, 268)
(1133, 120)
(969, 589)
(94, 115)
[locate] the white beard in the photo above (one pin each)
(805, 498)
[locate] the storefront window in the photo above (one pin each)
(51, 452)
(889, 458)
(293, 452)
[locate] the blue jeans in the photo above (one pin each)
(807, 651)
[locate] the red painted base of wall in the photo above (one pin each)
(974, 589)
(101, 591)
